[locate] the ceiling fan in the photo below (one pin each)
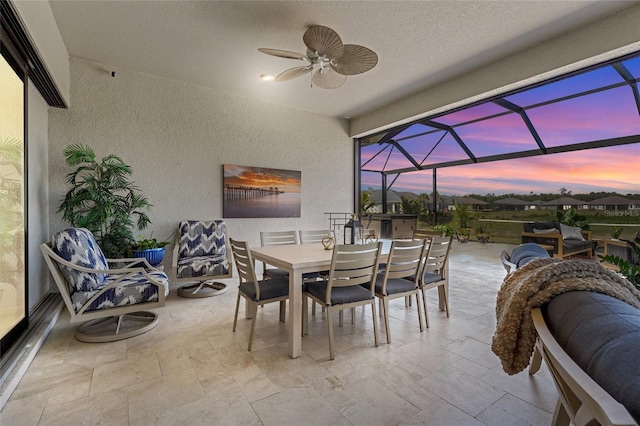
(332, 59)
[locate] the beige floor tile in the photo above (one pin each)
(370, 402)
(513, 411)
(150, 400)
(254, 383)
(442, 413)
(58, 378)
(108, 408)
(462, 390)
(192, 369)
(24, 411)
(121, 374)
(303, 406)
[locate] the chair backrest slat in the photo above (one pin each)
(244, 263)
(314, 236)
(354, 265)
(437, 254)
(405, 259)
(274, 238)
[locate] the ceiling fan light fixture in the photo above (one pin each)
(332, 60)
(267, 77)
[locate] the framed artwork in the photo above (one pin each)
(254, 192)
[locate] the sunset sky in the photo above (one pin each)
(614, 169)
(287, 180)
(592, 106)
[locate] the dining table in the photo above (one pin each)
(298, 259)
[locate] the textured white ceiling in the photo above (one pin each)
(214, 43)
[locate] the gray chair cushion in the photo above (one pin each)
(530, 227)
(339, 295)
(269, 289)
(602, 335)
(395, 285)
(431, 277)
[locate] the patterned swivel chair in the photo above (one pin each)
(201, 253)
(107, 300)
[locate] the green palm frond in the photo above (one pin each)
(102, 198)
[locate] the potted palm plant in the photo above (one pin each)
(102, 198)
(461, 221)
(615, 232)
(482, 231)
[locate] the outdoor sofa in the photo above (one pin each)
(560, 240)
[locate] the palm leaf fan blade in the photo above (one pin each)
(327, 78)
(292, 73)
(355, 60)
(283, 53)
(324, 41)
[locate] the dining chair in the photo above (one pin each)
(311, 237)
(314, 236)
(276, 238)
(256, 293)
(434, 273)
(351, 281)
(401, 277)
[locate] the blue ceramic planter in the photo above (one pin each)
(154, 256)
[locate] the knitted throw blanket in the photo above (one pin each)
(537, 283)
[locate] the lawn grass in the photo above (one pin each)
(506, 226)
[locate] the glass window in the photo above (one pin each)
(590, 80)
(12, 213)
(601, 115)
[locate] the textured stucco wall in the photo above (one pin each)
(38, 196)
(177, 136)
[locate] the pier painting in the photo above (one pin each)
(254, 192)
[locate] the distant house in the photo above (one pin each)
(533, 205)
(473, 203)
(393, 201)
(510, 204)
(614, 203)
(565, 203)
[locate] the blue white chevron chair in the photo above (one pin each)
(201, 254)
(108, 301)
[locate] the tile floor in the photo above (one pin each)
(192, 370)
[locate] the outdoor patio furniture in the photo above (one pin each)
(276, 238)
(351, 282)
(435, 272)
(562, 240)
(521, 255)
(109, 301)
(400, 277)
(201, 254)
(256, 293)
(585, 339)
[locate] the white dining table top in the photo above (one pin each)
(294, 255)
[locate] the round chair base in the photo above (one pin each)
(110, 329)
(203, 289)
